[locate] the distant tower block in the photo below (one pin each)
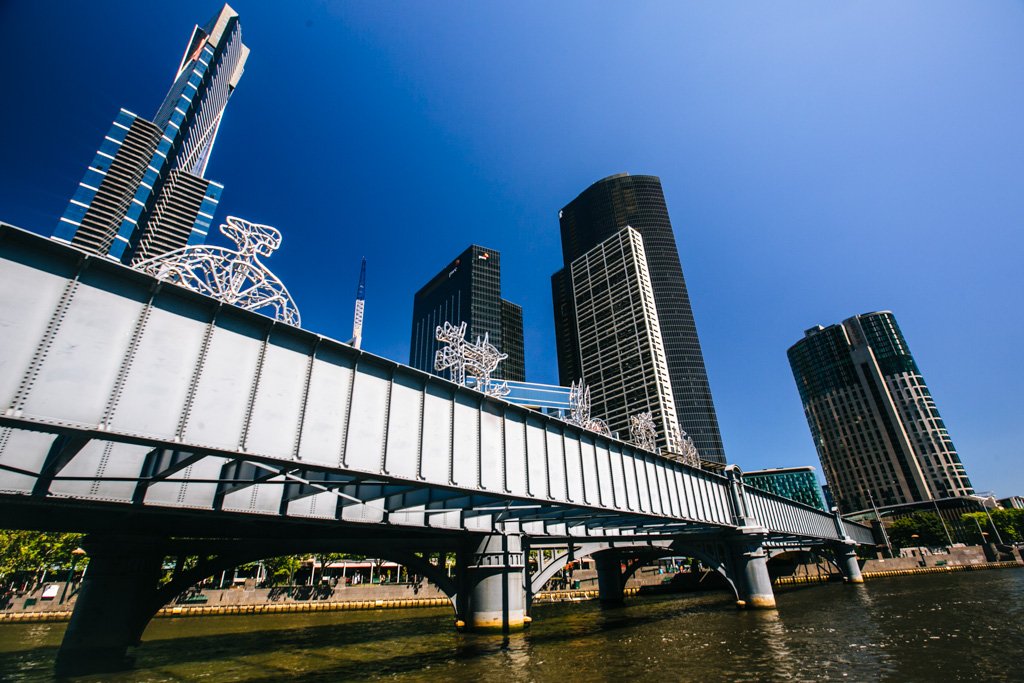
(357, 318)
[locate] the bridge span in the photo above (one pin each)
(164, 423)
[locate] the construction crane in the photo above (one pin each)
(357, 318)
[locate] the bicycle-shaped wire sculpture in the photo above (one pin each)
(234, 276)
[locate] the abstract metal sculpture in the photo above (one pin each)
(235, 277)
(579, 410)
(469, 361)
(689, 451)
(642, 432)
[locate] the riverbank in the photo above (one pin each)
(249, 600)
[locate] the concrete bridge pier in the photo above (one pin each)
(492, 590)
(846, 558)
(611, 583)
(750, 575)
(113, 606)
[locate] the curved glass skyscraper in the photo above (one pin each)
(144, 193)
(600, 211)
(878, 432)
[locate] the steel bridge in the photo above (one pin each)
(164, 423)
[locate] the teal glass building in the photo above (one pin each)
(145, 192)
(796, 483)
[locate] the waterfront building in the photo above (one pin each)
(145, 194)
(597, 214)
(468, 290)
(874, 423)
(796, 483)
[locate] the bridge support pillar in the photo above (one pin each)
(610, 583)
(113, 606)
(493, 585)
(846, 558)
(753, 583)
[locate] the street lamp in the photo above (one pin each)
(76, 555)
(880, 525)
(984, 504)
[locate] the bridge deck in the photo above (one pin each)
(119, 389)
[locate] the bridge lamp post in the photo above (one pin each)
(76, 555)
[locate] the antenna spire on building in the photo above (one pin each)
(357, 318)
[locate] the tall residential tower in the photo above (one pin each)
(468, 290)
(597, 214)
(145, 193)
(878, 433)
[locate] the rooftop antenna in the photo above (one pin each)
(357, 319)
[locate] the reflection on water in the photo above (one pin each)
(956, 627)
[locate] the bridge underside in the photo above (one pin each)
(160, 421)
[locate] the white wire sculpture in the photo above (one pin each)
(464, 361)
(642, 432)
(689, 451)
(682, 448)
(579, 410)
(236, 277)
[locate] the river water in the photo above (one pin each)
(964, 626)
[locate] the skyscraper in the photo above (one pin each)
(468, 290)
(878, 433)
(598, 213)
(144, 193)
(623, 356)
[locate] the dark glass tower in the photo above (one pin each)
(144, 193)
(874, 423)
(596, 214)
(468, 290)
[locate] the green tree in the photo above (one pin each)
(919, 529)
(36, 551)
(1009, 522)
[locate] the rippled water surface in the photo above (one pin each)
(955, 627)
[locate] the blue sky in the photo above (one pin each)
(820, 159)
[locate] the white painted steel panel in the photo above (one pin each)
(319, 506)
(26, 451)
(515, 455)
(657, 493)
(102, 459)
(414, 515)
(492, 451)
(573, 469)
(28, 298)
(258, 498)
(365, 448)
(371, 513)
(673, 492)
(156, 387)
(190, 493)
(557, 489)
(618, 478)
(79, 371)
(589, 467)
(437, 435)
(684, 503)
(643, 485)
(403, 447)
(221, 401)
(536, 459)
(632, 485)
(464, 449)
(604, 477)
(450, 519)
(277, 408)
(323, 425)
